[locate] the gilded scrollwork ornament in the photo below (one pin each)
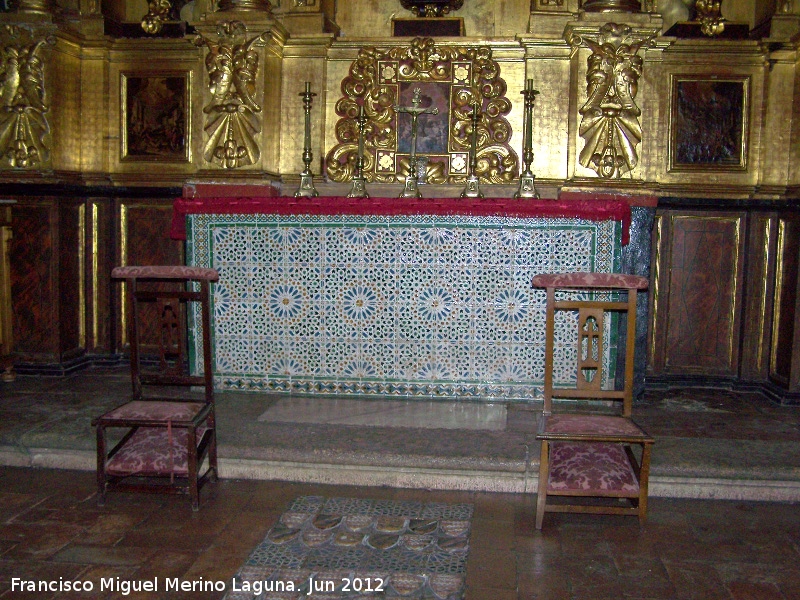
(159, 12)
(610, 123)
(233, 115)
(431, 8)
(709, 13)
(452, 78)
(24, 130)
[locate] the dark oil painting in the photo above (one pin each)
(432, 130)
(709, 122)
(155, 117)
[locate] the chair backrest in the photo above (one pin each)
(591, 321)
(173, 304)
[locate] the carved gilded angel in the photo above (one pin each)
(232, 124)
(23, 126)
(610, 124)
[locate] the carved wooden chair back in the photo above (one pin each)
(168, 431)
(590, 453)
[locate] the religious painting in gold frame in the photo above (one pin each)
(155, 116)
(450, 78)
(709, 123)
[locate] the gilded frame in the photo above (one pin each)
(709, 123)
(155, 116)
(453, 78)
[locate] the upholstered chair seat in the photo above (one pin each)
(599, 467)
(154, 452)
(588, 456)
(165, 434)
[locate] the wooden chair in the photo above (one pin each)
(589, 454)
(166, 431)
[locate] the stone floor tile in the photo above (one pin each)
(493, 569)
(176, 539)
(101, 555)
(97, 575)
(34, 571)
(500, 532)
(593, 577)
(749, 590)
(484, 593)
(707, 549)
(548, 585)
(5, 546)
(217, 564)
(166, 563)
(497, 506)
(696, 581)
(34, 541)
(12, 504)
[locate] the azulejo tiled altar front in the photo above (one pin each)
(406, 305)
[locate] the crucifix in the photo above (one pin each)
(415, 110)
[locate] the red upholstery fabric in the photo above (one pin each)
(590, 280)
(165, 272)
(592, 425)
(148, 410)
(599, 467)
(149, 452)
(587, 208)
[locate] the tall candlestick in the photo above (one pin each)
(306, 176)
(527, 180)
(472, 188)
(359, 189)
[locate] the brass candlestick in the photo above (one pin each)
(359, 189)
(472, 188)
(410, 190)
(307, 177)
(527, 183)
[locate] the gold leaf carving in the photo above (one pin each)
(466, 74)
(159, 12)
(24, 130)
(709, 13)
(232, 121)
(610, 117)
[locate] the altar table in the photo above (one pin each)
(392, 297)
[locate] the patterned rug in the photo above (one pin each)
(328, 548)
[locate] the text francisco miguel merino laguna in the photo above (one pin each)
(174, 584)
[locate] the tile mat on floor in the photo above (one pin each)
(356, 548)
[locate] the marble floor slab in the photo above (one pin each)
(388, 413)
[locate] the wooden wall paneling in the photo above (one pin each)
(100, 259)
(144, 240)
(758, 300)
(704, 293)
(34, 280)
(794, 377)
(785, 351)
(6, 339)
(71, 257)
(48, 292)
(659, 281)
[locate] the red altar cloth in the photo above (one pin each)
(589, 209)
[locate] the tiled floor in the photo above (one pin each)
(52, 529)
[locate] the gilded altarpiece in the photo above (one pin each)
(233, 119)
(450, 78)
(24, 128)
(610, 122)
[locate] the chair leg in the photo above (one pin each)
(212, 453)
(544, 476)
(101, 465)
(644, 481)
(194, 490)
